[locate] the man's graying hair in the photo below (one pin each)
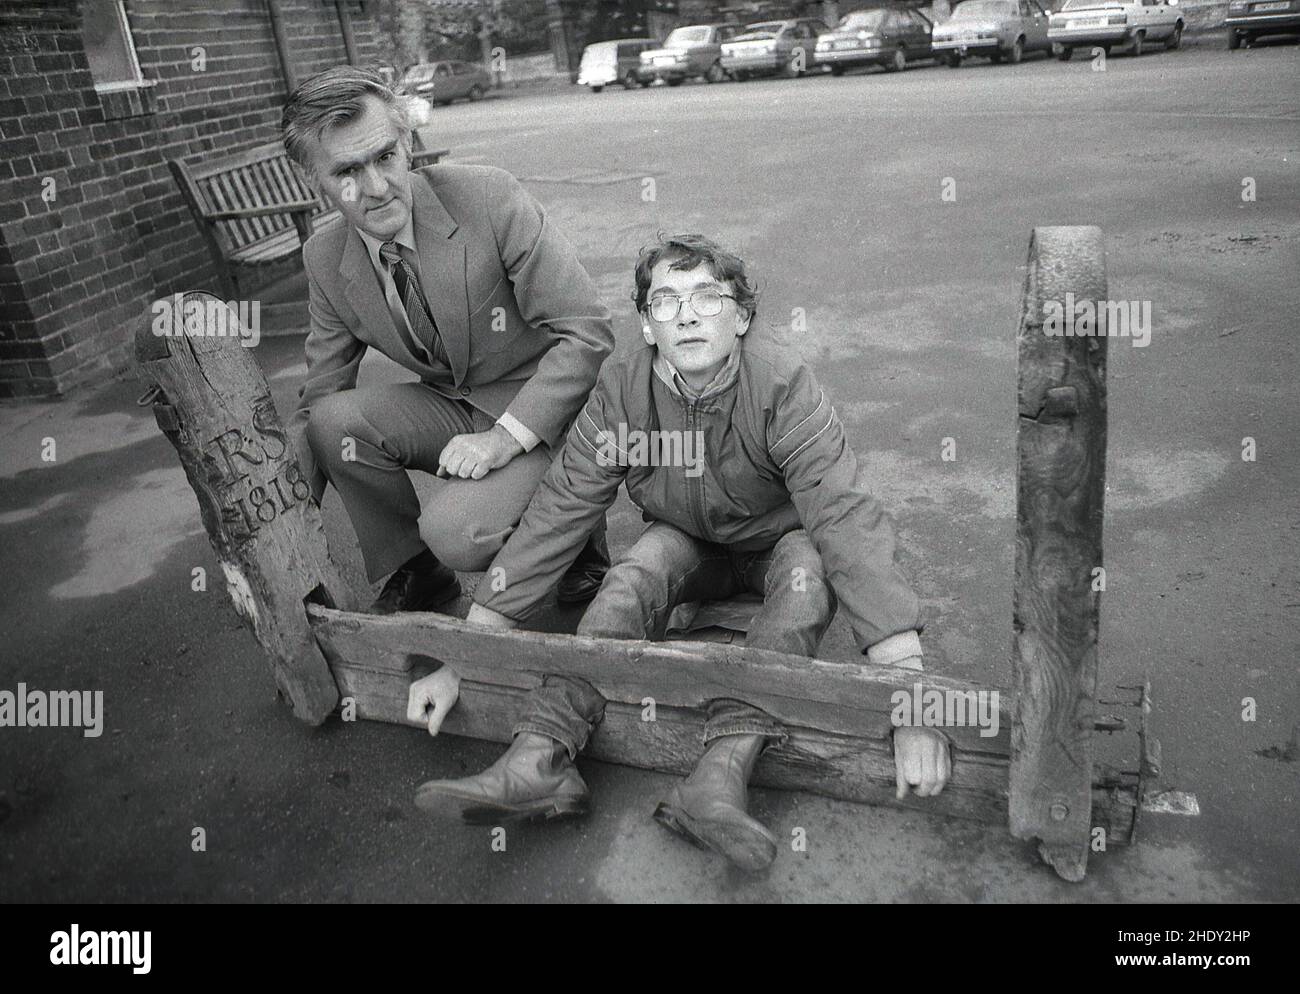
(331, 98)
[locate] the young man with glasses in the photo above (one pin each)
(769, 504)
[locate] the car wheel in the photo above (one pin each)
(1017, 51)
(899, 61)
(1176, 39)
(476, 92)
(629, 81)
(1138, 39)
(789, 71)
(716, 73)
(596, 89)
(1064, 52)
(954, 60)
(1234, 40)
(837, 70)
(676, 81)
(995, 58)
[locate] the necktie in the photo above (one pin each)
(413, 302)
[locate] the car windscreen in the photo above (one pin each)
(1084, 4)
(685, 36)
(755, 36)
(982, 9)
(863, 20)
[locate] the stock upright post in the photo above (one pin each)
(212, 401)
(1061, 467)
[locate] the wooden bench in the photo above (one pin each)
(253, 209)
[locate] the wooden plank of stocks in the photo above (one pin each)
(1061, 453)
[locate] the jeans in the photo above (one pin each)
(667, 567)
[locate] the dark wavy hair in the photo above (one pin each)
(687, 252)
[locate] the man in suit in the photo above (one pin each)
(456, 273)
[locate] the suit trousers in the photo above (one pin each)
(367, 438)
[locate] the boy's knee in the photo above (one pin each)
(797, 570)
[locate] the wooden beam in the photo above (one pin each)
(1061, 464)
(345, 25)
(841, 698)
(281, 46)
(852, 768)
(213, 403)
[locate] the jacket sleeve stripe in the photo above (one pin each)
(820, 431)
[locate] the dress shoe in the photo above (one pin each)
(421, 584)
(533, 780)
(708, 807)
(582, 580)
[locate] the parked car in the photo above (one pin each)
(1248, 20)
(1134, 24)
(443, 82)
(617, 61)
(772, 47)
(694, 50)
(886, 37)
(996, 29)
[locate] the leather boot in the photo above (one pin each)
(534, 779)
(708, 807)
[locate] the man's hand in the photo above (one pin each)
(921, 760)
(485, 616)
(431, 697)
(472, 457)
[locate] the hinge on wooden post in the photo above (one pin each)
(163, 412)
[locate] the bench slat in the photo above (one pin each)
(278, 246)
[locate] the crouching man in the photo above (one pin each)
(769, 503)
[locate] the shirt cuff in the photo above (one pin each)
(903, 649)
(519, 431)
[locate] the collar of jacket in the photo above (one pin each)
(724, 380)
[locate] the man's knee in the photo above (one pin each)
(331, 421)
(460, 535)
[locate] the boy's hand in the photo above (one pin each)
(472, 457)
(921, 759)
(431, 697)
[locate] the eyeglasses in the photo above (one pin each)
(705, 303)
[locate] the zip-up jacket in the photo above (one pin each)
(772, 457)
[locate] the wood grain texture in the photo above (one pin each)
(1061, 457)
(839, 766)
(217, 411)
(840, 698)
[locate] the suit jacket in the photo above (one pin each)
(521, 320)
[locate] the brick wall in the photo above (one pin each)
(80, 265)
